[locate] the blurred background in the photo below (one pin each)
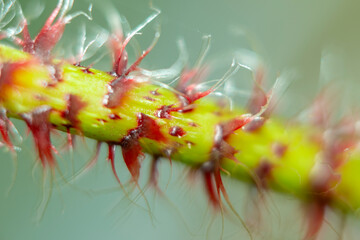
(317, 41)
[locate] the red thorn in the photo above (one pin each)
(235, 124)
(191, 76)
(47, 38)
(219, 183)
(131, 158)
(4, 129)
(154, 173)
(258, 96)
(111, 158)
(134, 66)
(27, 42)
(255, 124)
(185, 78)
(120, 56)
(263, 172)
(315, 217)
(210, 188)
(131, 149)
(39, 125)
(70, 138)
(192, 95)
(188, 82)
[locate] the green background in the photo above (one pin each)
(317, 40)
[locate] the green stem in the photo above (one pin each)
(286, 158)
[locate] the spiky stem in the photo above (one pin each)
(289, 158)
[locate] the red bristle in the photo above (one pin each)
(131, 156)
(154, 173)
(192, 95)
(315, 214)
(186, 77)
(111, 158)
(255, 124)
(219, 183)
(120, 56)
(135, 65)
(210, 188)
(263, 172)
(258, 97)
(234, 124)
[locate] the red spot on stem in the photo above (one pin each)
(114, 116)
(87, 70)
(155, 93)
(56, 73)
(164, 111)
(279, 149)
(149, 98)
(263, 172)
(192, 124)
(117, 90)
(177, 131)
(74, 104)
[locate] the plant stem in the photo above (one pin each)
(286, 158)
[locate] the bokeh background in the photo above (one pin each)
(318, 41)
